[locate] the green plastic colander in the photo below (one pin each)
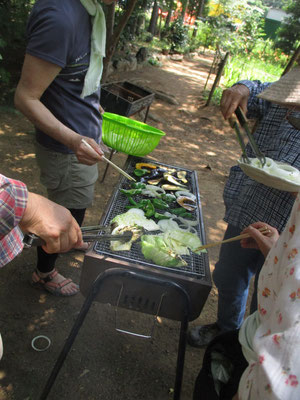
(129, 136)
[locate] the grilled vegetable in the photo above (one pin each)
(160, 216)
(182, 176)
(132, 220)
(179, 211)
(145, 165)
(141, 172)
(168, 198)
(138, 185)
(186, 202)
(174, 181)
(160, 204)
(171, 187)
(152, 191)
(154, 248)
(131, 192)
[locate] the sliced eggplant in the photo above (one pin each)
(154, 181)
(171, 179)
(182, 176)
(167, 186)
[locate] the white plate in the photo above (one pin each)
(268, 179)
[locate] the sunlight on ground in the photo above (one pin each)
(21, 134)
(44, 320)
(184, 70)
(26, 156)
(2, 374)
(217, 233)
(6, 393)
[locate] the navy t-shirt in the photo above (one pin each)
(59, 31)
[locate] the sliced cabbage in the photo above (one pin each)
(278, 169)
(133, 217)
(155, 249)
(181, 241)
(167, 248)
(133, 220)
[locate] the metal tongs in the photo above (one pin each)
(31, 239)
(243, 122)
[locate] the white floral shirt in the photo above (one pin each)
(275, 373)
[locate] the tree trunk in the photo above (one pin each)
(170, 11)
(184, 7)
(110, 22)
(113, 38)
(153, 21)
(141, 19)
(199, 13)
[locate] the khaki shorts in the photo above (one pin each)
(68, 182)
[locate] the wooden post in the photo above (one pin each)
(212, 67)
(217, 79)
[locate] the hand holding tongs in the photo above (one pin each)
(243, 122)
(31, 239)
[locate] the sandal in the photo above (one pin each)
(52, 287)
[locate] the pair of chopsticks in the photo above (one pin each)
(264, 230)
(109, 162)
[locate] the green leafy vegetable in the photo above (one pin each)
(141, 172)
(154, 248)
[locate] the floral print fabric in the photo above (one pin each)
(275, 373)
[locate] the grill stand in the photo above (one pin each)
(121, 274)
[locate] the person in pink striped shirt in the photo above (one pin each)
(24, 211)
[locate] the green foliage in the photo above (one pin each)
(13, 19)
(251, 68)
(153, 61)
(176, 34)
(288, 33)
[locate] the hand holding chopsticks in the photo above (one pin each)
(264, 230)
(109, 162)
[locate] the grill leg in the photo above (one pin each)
(146, 114)
(72, 336)
(180, 358)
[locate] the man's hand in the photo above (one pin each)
(52, 222)
(260, 241)
(234, 97)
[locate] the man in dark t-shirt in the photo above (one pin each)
(49, 94)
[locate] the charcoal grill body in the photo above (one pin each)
(139, 297)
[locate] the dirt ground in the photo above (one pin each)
(104, 364)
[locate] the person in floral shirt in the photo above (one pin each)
(270, 337)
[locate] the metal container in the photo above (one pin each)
(194, 278)
(124, 98)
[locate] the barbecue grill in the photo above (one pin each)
(125, 279)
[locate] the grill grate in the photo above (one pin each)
(196, 264)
